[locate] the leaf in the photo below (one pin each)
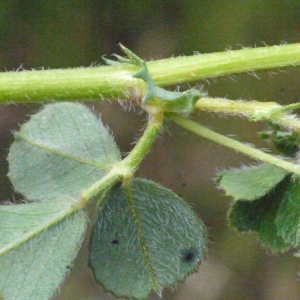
(251, 183)
(20, 223)
(259, 215)
(288, 217)
(258, 192)
(34, 269)
(61, 151)
(145, 238)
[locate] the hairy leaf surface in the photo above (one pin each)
(34, 269)
(259, 215)
(251, 183)
(288, 218)
(144, 239)
(19, 223)
(61, 151)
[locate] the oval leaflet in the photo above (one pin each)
(145, 238)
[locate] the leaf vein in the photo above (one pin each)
(136, 217)
(54, 151)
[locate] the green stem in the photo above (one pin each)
(233, 144)
(98, 187)
(191, 68)
(256, 111)
(113, 82)
(125, 169)
(135, 157)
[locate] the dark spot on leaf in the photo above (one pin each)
(115, 242)
(189, 255)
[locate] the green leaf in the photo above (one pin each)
(145, 238)
(288, 217)
(246, 215)
(19, 223)
(34, 262)
(259, 215)
(251, 183)
(60, 152)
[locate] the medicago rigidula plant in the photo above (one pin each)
(144, 237)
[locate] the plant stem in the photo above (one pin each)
(233, 144)
(98, 187)
(125, 169)
(256, 111)
(191, 68)
(114, 82)
(135, 157)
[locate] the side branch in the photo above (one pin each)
(254, 110)
(233, 144)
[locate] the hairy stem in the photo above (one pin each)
(233, 144)
(113, 82)
(125, 169)
(256, 111)
(135, 157)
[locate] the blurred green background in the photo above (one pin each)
(65, 33)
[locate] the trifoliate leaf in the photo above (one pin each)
(251, 183)
(288, 216)
(145, 238)
(33, 265)
(61, 151)
(259, 215)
